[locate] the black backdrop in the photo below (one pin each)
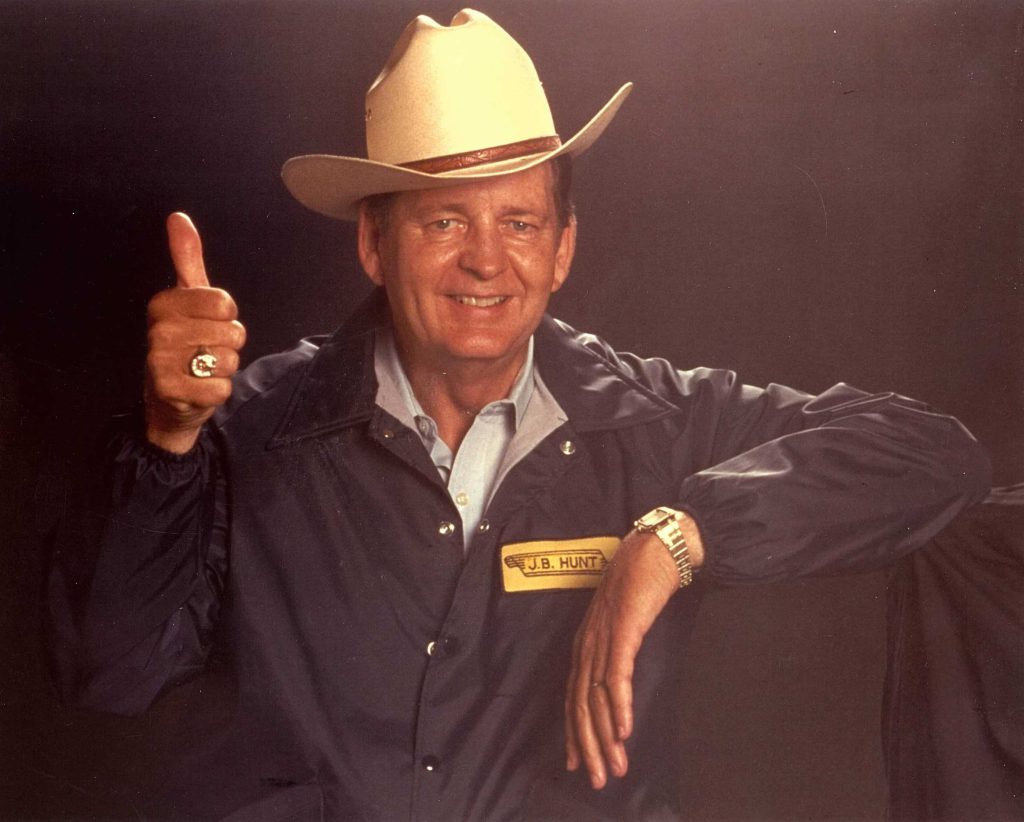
(801, 191)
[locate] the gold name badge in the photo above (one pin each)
(555, 564)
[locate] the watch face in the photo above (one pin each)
(653, 519)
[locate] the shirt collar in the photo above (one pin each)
(331, 383)
(395, 394)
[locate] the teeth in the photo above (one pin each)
(479, 302)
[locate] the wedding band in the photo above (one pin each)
(203, 363)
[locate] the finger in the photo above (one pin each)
(590, 748)
(572, 745)
(177, 361)
(185, 393)
(572, 748)
(619, 679)
(185, 337)
(612, 749)
(186, 251)
(227, 360)
(172, 380)
(211, 303)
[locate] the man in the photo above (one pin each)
(409, 536)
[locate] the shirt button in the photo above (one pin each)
(568, 447)
(461, 498)
(430, 763)
(484, 526)
(446, 528)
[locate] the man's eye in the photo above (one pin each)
(520, 225)
(443, 224)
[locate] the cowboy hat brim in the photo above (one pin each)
(334, 186)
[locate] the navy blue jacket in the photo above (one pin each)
(309, 534)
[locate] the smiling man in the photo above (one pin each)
(444, 547)
(468, 271)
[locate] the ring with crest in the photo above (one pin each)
(203, 363)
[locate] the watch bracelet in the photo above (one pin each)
(672, 537)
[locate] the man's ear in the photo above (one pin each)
(564, 253)
(368, 238)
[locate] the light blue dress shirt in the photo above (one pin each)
(502, 433)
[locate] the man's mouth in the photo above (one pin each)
(478, 302)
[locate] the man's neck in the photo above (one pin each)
(453, 394)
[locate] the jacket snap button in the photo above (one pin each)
(431, 647)
(568, 447)
(484, 526)
(430, 763)
(446, 529)
(388, 434)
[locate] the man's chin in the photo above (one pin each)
(483, 349)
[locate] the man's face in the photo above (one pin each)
(469, 269)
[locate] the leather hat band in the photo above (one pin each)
(453, 162)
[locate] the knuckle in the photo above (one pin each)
(160, 335)
(158, 303)
(228, 362)
(616, 676)
(237, 334)
(159, 365)
(219, 392)
(222, 305)
(164, 389)
(225, 391)
(158, 384)
(154, 362)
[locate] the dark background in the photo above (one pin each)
(802, 191)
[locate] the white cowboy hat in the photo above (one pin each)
(452, 104)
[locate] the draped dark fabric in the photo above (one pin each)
(953, 719)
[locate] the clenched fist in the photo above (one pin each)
(185, 320)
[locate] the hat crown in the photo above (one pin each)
(452, 90)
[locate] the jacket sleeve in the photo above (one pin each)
(136, 576)
(789, 484)
(845, 481)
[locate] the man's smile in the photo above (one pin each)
(478, 302)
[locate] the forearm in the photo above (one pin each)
(135, 583)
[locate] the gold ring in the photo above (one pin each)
(203, 364)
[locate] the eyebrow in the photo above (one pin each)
(513, 210)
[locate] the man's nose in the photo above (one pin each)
(483, 251)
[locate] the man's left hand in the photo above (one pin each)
(637, 584)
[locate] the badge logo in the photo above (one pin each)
(547, 565)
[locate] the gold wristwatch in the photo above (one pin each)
(664, 524)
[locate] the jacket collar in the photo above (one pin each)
(594, 387)
(339, 387)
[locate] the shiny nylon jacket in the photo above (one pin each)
(309, 534)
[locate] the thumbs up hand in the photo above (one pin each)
(194, 340)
